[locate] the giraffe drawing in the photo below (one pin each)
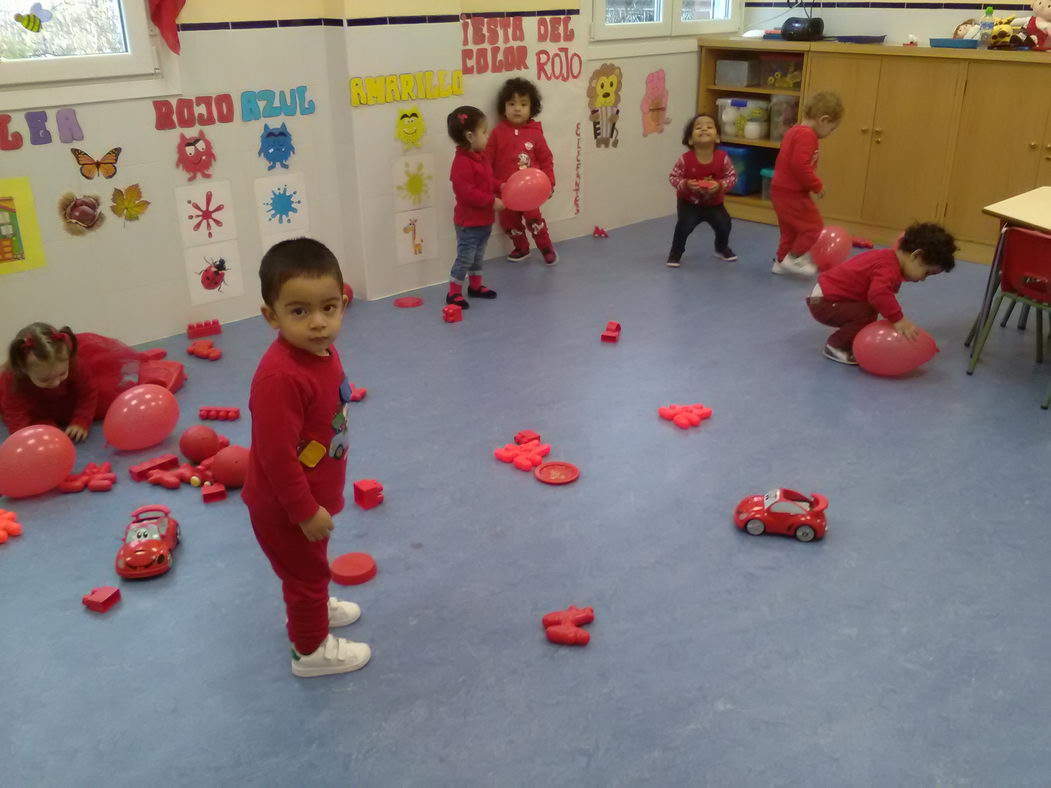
(417, 246)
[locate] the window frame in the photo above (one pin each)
(671, 23)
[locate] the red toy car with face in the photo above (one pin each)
(783, 511)
(149, 541)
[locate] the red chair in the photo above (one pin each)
(1025, 278)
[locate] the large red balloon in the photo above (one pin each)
(230, 466)
(141, 417)
(526, 190)
(34, 460)
(832, 247)
(881, 350)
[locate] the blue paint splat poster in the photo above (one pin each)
(281, 204)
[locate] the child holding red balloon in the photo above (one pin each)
(56, 377)
(796, 185)
(518, 143)
(853, 294)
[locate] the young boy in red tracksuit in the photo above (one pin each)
(852, 294)
(518, 142)
(297, 464)
(795, 180)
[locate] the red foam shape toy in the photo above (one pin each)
(206, 349)
(564, 626)
(101, 599)
(219, 414)
(612, 332)
(357, 393)
(408, 302)
(97, 478)
(862, 243)
(169, 374)
(526, 456)
(229, 466)
(600, 233)
(210, 493)
(368, 493)
(140, 472)
(9, 525)
(452, 313)
(351, 569)
(524, 436)
(685, 416)
(203, 329)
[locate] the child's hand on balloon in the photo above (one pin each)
(76, 433)
(819, 195)
(907, 329)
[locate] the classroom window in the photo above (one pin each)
(653, 18)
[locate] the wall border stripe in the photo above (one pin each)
(918, 5)
(436, 19)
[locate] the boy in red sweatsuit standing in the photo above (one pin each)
(852, 294)
(795, 180)
(516, 143)
(297, 464)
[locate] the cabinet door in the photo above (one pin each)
(1000, 144)
(911, 133)
(844, 154)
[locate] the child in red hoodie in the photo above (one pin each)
(516, 143)
(476, 202)
(852, 294)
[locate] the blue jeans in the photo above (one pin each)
(470, 251)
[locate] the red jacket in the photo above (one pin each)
(512, 148)
(475, 189)
(73, 401)
(687, 168)
(297, 399)
(873, 276)
(796, 166)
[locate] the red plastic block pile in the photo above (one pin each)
(524, 456)
(9, 525)
(685, 416)
(563, 626)
(97, 478)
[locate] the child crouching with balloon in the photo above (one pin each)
(854, 293)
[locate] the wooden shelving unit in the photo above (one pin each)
(755, 143)
(759, 90)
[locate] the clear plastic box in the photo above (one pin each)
(784, 112)
(737, 73)
(781, 70)
(768, 179)
(744, 118)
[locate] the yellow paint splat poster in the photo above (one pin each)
(20, 246)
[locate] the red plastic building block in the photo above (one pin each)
(219, 414)
(524, 436)
(452, 313)
(204, 329)
(9, 525)
(563, 626)
(140, 472)
(526, 456)
(210, 493)
(155, 353)
(97, 478)
(600, 233)
(101, 599)
(612, 332)
(169, 374)
(368, 493)
(685, 416)
(206, 349)
(352, 569)
(862, 243)
(357, 393)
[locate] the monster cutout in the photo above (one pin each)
(604, 102)
(655, 104)
(410, 128)
(275, 145)
(196, 155)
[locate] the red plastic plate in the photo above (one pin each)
(352, 569)
(408, 301)
(557, 472)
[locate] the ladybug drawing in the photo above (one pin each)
(213, 277)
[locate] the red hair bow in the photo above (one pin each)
(463, 117)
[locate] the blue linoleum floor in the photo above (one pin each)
(910, 647)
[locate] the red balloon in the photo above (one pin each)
(881, 350)
(526, 190)
(230, 466)
(199, 443)
(34, 460)
(832, 247)
(141, 417)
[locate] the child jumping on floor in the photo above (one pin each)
(701, 177)
(852, 294)
(297, 465)
(476, 202)
(518, 142)
(796, 185)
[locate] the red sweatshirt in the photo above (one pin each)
(73, 401)
(871, 276)
(474, 187)
(298, 457)
(795, 169)
(512, 148)
(687, 168)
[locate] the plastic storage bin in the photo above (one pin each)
(784, 110)
(767, 174)
(749, 163)
(737, 73)
(745, 118)
(781, 70)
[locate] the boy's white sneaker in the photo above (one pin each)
(801, 266)
(334, 655)
(341, 613)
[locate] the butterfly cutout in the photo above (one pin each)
(89, 167)
(129, 203)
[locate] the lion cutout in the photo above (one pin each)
(604, 102)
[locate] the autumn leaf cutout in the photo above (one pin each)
(129, 203)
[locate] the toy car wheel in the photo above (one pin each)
(755, 527)
(805, 533)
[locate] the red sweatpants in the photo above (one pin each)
(800, 222)
(303, 569)
(511, 223)
(848, 316)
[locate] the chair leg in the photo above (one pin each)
(990, 287)
(985, 333)
(1007, 314)
(1047, 399)
(1023, 317)
(1039, 335)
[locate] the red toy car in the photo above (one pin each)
(783, 511)
(149, 541)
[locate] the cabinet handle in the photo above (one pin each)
(878, 131)
(1033, 145)
(864, 129)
